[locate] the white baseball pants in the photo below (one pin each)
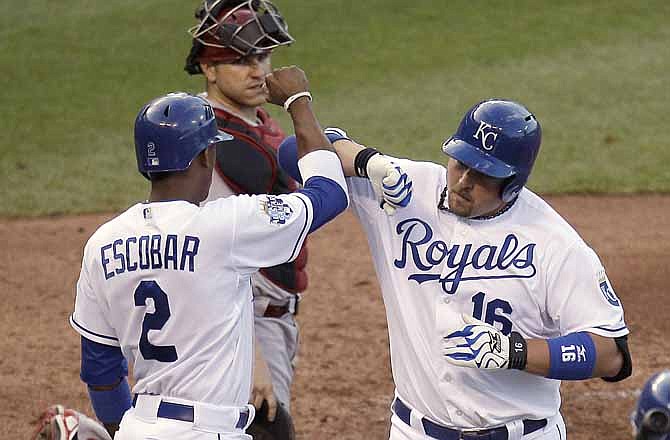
(555, 430)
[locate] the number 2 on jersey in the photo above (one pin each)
(154, 321)
(492, 308)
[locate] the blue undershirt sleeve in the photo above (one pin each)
(327, 197)
(287, 155)
(101, 364)
(104, 365)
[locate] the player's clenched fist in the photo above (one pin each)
(479, 345)
(285, 82)
(390, 183)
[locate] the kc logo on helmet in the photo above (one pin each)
(488, 134)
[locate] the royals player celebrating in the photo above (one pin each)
(166, 284)
(491, 297)
(234, 71)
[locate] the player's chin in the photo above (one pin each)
(255, 98)
(460, 206)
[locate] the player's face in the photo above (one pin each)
(240, 84)
(471, 193)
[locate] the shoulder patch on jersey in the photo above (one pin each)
(276, 209)
(606, 289)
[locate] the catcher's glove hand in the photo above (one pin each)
(60, 423)
(281, 428)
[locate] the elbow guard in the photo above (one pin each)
(627, 367)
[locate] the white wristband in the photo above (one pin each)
(292, 98)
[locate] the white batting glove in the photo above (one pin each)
(476, 345)
(391, 184)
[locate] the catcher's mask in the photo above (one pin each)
(651, 418)
(229, 30)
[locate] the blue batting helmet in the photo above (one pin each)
(500, 139)
(651, 418)
(172, 130)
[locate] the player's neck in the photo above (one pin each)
(502, 207)
(175, 188)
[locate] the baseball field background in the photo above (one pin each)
(397, 75)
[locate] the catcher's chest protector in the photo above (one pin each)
(248, 165)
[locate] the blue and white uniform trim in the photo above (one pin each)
(325, 186)
(93, 336)
(615, 330)
(309, 219)
(327, 197)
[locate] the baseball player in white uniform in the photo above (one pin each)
(166, 284)
(232, 70)
(491, 297)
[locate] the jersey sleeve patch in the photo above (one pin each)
(277, 211)
(606, 289)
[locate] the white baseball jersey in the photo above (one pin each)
(261, 285)
(525, 270)
(169, 282)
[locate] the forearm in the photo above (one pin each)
(538, 360)
(347, 151)
(576, 356)
(109, 403)
(608, 361)
(308, 132)
(104, 370)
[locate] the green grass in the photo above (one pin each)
(397, 75)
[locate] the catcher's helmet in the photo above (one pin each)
(651, 418)
(172, 130)
(500, 139)
(231, 29)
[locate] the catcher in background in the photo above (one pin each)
(651, 417)
(232, 48)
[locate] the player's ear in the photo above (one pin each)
(208, 157)
(209, 70)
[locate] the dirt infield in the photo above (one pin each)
(343, 385)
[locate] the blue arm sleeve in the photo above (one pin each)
(110, 405)
(327, 197)
(105, 365)
(287, 155)
(101, 364)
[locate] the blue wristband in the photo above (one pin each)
(110, 405)
(573, 356)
